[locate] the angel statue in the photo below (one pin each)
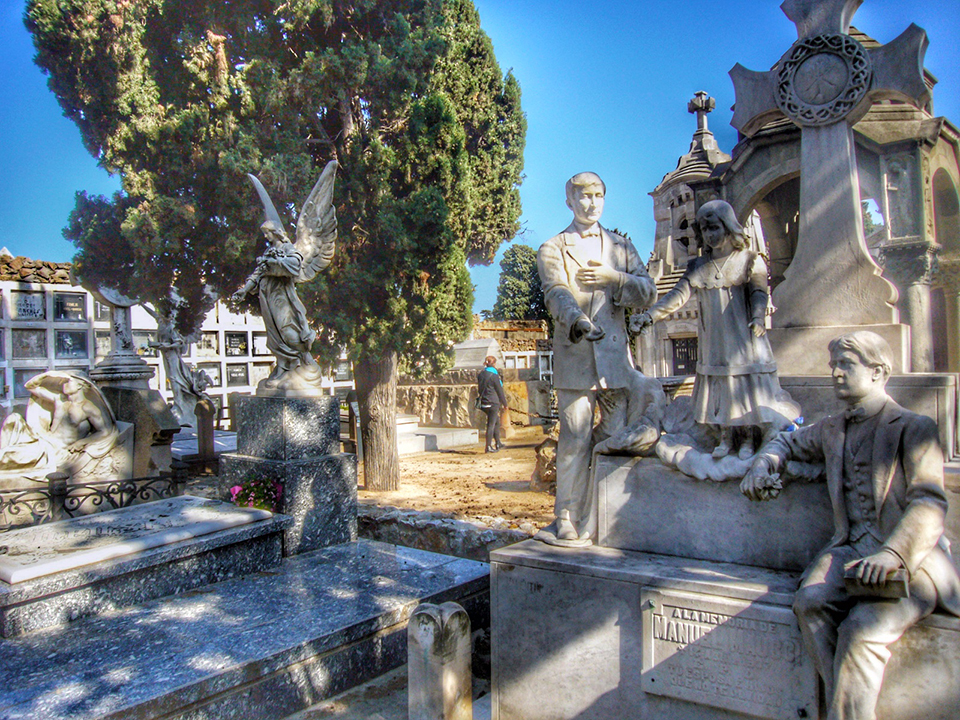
(188, 384)
(279, 269)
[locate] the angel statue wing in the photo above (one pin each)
(317, 225)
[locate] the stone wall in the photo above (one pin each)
(24, 269)
(438, 532)
(452, 405)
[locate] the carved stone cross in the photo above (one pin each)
(701, 105)
(825, 83)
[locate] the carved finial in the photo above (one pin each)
(701, 104)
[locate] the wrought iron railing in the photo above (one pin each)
(58, 500)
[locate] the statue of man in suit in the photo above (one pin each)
(589, 277)
(887, 565)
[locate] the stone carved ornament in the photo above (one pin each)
(823, 78)
(279, 269)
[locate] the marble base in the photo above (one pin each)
(90, 565)
(263, 646)
(320, 494)
(586, 634)
(647, 507)
(285, 428)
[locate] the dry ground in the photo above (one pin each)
(468, 483)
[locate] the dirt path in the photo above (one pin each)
(468, 483)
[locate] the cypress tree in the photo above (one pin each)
(182, 98)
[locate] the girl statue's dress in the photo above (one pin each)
(736, 382)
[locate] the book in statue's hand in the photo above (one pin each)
(897, 585)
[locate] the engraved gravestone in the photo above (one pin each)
(825, 83)
(742, 656)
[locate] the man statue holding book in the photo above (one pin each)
(888, 564)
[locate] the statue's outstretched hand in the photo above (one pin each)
(641, 323)
(759, 483)
(758, 328)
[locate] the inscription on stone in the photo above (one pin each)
(726, 653)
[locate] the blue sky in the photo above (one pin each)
(605, 88)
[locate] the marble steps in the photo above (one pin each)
(259, 647)
(434, 439)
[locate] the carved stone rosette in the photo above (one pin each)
(822, 79)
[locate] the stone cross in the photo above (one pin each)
(701, 105)
(825, 83)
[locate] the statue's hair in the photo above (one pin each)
(723, 210)
(872, 349)
(273, 226)
(582, 180)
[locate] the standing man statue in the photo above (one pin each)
(589, 276)
(888, 564)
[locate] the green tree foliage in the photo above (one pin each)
(519, 295)
(148, 86)
(183, 97)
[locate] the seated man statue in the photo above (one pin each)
(887, 565)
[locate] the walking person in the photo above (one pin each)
(491, 397)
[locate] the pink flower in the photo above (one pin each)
(234, 491)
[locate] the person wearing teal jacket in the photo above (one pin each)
(492, 399)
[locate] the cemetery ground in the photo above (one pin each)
(470, 484)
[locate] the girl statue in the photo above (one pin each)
(736, 385)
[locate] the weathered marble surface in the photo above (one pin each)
(728, 654)
(547, 600)
(287, 428)
(113, 584)
(42, 550)
(440, 680)
(261, 647)
(647, 507)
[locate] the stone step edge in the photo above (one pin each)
(367, 641)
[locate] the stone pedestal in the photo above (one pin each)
(296, 442)
(684, 611)
(439, 678)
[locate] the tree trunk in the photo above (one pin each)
(376, 382)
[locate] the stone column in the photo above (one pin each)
(948, 278)
(439, 675)
(911, 263)
(124, 379)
